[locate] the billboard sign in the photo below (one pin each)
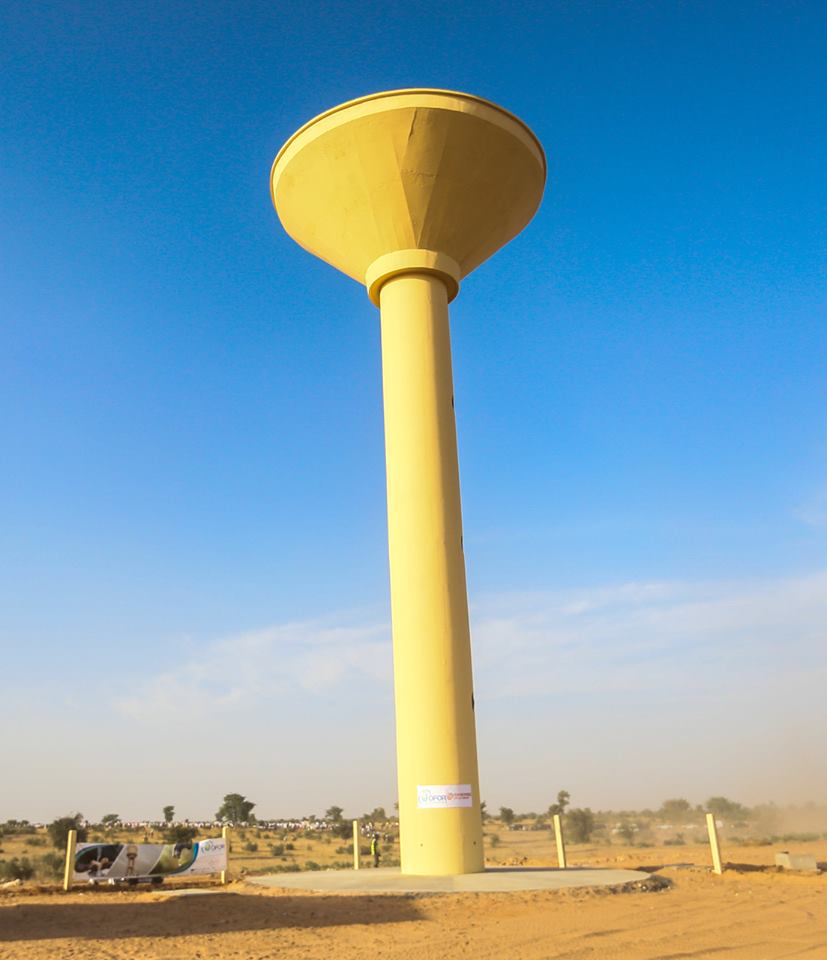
(147, 861)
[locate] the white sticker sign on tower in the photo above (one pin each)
(440, 796)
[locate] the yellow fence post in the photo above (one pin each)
(71, 846)
(225, 835)
(712, 829)
(356, 845)
(558, 839)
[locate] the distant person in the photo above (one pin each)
(374, 849)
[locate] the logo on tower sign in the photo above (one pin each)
(442, 795)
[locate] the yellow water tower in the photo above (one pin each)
(407, 192)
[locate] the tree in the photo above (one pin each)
(726, 809)
(580, 824)
(59, 830)
(180, 833)
(484, 814)
(169, 812)
(627, 831)
(339, 826)
(110, 820)
(236, 809)
(559, 808)
(507, 815)
(17, 826)
(675, 809)
(377, 816)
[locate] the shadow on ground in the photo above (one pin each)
(190, 916)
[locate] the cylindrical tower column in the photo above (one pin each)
(439, 803)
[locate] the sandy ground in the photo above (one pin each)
(749, 912)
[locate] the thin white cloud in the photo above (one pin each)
(674, 638)
(313, 657)
(624, 694)
(649, 637)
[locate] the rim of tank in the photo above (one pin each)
(409, 90)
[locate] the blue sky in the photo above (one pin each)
(192, 511)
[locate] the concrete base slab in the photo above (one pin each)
(803, 862)
(493, 880)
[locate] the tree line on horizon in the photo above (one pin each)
(580, 822)
(580, 825)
